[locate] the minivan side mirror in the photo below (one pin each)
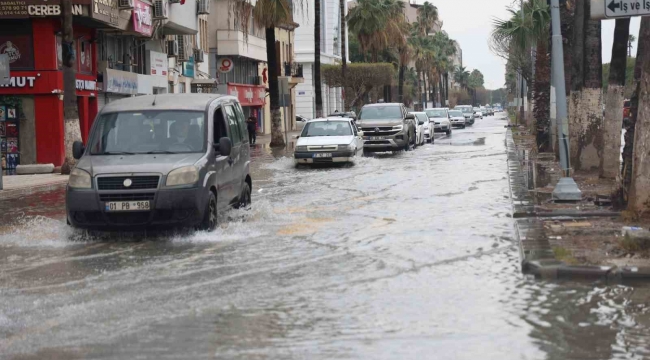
(78, 149)
(225, 146)
(410, 116)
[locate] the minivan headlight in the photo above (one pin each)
(187, 175)
(79, 179)
(345, 147)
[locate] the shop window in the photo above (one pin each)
(16, 41)
(84, 56)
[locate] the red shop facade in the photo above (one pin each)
(31, 106)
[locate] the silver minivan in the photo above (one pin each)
(161, 160)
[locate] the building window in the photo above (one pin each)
(170, 88)
(203, 33)
(181, 87)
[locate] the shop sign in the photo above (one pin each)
(188, 67)
(248, 95)
(19, 9)
(120, 82)
(19, 50)
(225, 65)
(88, 85)
(157, 63)
(142, 21)
(106, 11)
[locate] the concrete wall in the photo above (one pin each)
(182, 19)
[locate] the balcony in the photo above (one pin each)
(293, 70)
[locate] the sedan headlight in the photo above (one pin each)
(79, 179)
(301, 148)
(345, 147)
(183, 176)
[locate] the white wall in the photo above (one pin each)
(182, 19)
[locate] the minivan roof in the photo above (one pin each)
(191, 102)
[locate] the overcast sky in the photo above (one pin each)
(470, 22)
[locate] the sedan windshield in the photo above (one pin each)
(381, 113)
(326, 128)
(436, 113)
(148, 132)
(455, 113)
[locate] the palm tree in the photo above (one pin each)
(520, 35)
(427, 17)
(270, 14)
(461, 77)
(610, 162)
(631, 39)
(379, 24)
(318, 89)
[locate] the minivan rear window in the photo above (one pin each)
(145, 132)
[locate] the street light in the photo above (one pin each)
(566, 189)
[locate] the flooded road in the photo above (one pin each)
(401, 256)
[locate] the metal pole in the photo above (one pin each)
(1, 188)
(566, 188)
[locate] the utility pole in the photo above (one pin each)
(566, 189)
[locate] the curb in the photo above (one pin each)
(537, 257)
(8, 194)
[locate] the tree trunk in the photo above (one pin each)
(400, 86)
(420, 89)
(318, 89)
(71, 127)
(542, 96)
(610, 163)
(277, 137)
(628, 149)
(639, 195)
(344, 59)
(426, 97)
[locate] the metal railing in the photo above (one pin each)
(293, 69)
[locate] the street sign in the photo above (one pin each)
(5, 77)
(612, 9)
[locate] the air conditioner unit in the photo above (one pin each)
(198, 55)
(183, 53)
(172, 48)
(203, 7)
(160, 11)
(125, 4)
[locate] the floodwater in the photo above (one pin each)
(406, 256)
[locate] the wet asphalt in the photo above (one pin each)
(405, 256)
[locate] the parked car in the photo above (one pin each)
(386, 127)
(490, 111)
(478, 113)
(421, 127)
(468, 113)
(427, 125)
(300, 122)
(161, 160)
(457, 119)
(329, 140)
(440, 118)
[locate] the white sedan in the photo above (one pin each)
(457, 118)
(440, 118)
(329, 140)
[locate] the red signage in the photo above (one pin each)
(248, 95)
(45, 82)
(19, 50)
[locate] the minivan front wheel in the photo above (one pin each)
(209, 222)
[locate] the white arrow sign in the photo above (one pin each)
(626, 8)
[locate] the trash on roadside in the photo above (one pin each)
(555, 237)
(635, 232)
(602, 200)
(577, 224)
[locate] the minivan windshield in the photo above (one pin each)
(326, 128)
(437, 113)
(148, 132)
(381, 113)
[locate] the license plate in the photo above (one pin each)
(323, 155)
(128, 206)
(376, 138)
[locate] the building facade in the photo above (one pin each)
(330, 54)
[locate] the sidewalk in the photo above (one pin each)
(19, 185)
(587, 239)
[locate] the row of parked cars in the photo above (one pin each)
(343, 137)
